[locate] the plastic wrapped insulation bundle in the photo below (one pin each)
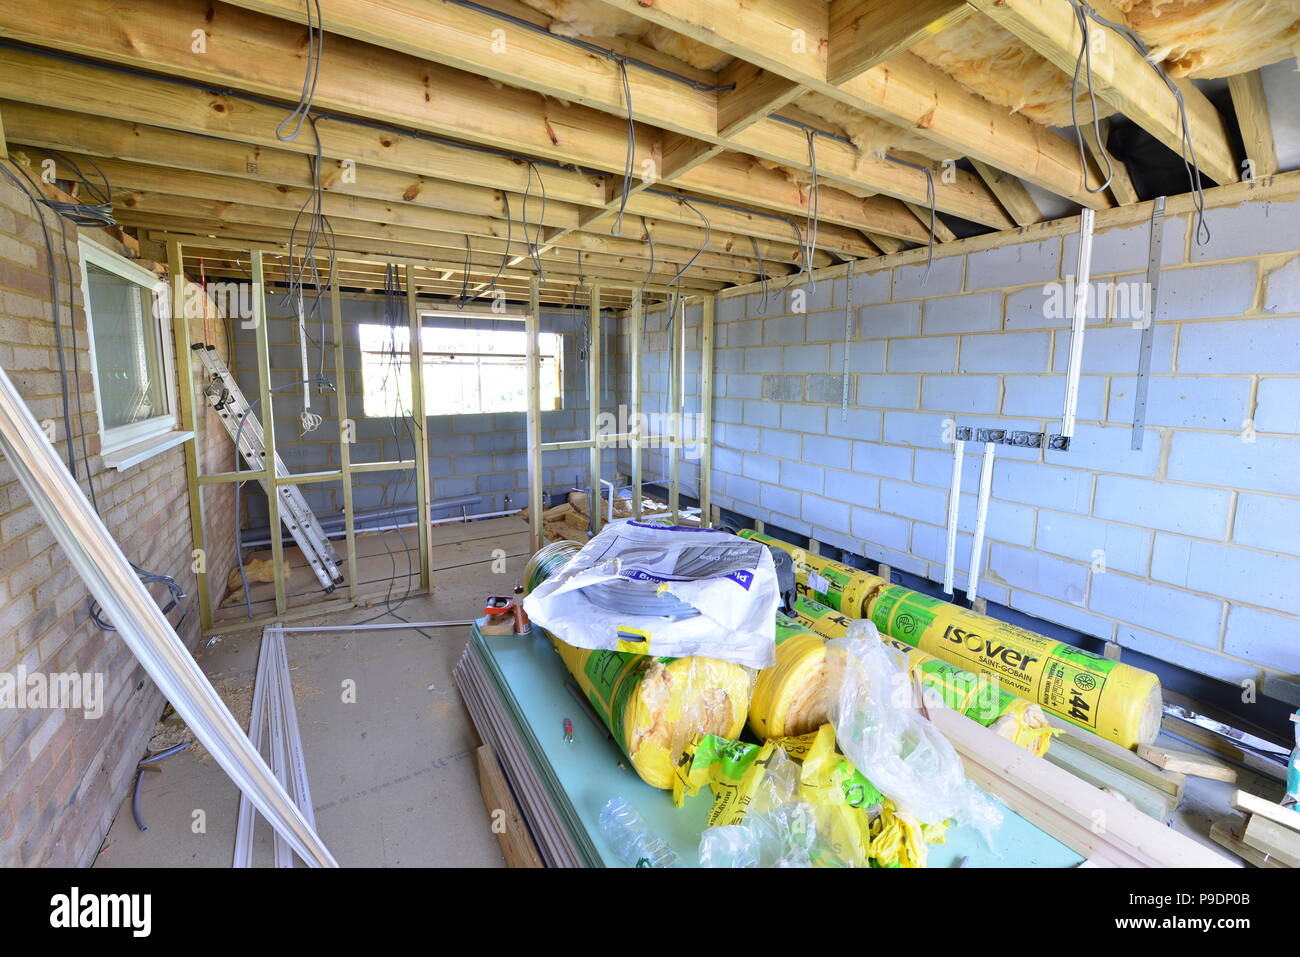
(653, 707)
(978, 697)
(1108, 698)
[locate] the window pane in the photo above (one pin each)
(466, 371)
(128, 355)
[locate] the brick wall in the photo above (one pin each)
(63, 775)
(1199, 531)
(479, 456)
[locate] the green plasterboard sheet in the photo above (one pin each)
(589, 773)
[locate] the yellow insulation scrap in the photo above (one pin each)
(654, 707)
(988, 60)
(592, 18)
(850, 823)
(873, 137)
(1215, 38)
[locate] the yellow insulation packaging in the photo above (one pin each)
(978, 697)
(654, 707)
(1108, 698)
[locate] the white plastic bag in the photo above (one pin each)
(879, 729)
(665, 591)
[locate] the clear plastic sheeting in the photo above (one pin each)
(881, 730)
(782, 830)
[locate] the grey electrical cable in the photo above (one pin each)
(626, 191)
(315, 45)
(1085, 11)
(810, 223)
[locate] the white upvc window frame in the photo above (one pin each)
(127, 445)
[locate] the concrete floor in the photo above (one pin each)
(393, 776)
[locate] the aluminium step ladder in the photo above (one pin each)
(225, 396)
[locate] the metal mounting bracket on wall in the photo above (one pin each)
(1148, 322)
(848, 338)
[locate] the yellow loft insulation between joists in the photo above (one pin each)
(1201, 39)
(591, 18)
(1192, 38)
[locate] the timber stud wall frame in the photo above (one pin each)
(195, 479)
(595, 441)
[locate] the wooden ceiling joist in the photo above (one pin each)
(1252, 116)
(789, 38)
(866, 33)
(1122, 77)
(262, 55)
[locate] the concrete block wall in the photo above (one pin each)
(63, 774)
(482, 456)
(1188, 550)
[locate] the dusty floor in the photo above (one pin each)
(393, 776)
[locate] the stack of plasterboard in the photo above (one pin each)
(560, 840)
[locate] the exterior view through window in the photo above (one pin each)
(466, 371)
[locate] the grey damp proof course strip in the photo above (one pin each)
(108, 576)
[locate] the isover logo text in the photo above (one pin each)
(989, 648)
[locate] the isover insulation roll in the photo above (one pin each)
(791, 697)
(842, 587)
(653, 707)
(1108, 698)
(980, 698)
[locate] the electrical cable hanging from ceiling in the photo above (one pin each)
(626, 192)
(810, 223)
(1084, 62)
(762, 272)
(675, 282)
(650, 239)
(307, 270)
(1083, 12)
(465, 297)
(315, 44)
(505, 253)
(534, 243)
(931, 201)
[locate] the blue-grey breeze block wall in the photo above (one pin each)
(484, 456)
(1188, 550)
